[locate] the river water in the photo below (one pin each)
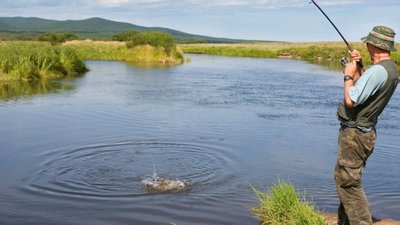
(77, 151)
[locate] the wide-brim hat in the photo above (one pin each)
(381, 37)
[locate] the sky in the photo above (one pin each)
(272, 20)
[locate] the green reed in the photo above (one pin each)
(284, 205)
(29, 61)
(240, 50)
(100, 50)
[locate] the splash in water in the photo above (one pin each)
(156, 184)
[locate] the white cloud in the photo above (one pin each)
(136, 3)
(271, 4)
(209, 4)
(112, 2)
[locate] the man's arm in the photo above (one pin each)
(350, 77)
(359, 89)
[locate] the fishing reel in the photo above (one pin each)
(344, 61)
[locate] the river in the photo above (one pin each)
(77, 151)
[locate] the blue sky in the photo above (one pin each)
(278, 20)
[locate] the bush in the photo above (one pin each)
(284, 207)
(155, 39)
(57, 38)
(127, 35)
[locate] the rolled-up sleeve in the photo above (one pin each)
(369, 83)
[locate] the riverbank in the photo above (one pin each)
(332, 218)
(284, 204)
(318, 52)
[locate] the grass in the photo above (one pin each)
(284, 205)
(28, 61)
(114, 50)
(34, 60)
(310, 51)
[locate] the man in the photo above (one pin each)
(365, 97)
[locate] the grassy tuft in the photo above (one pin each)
(285, 206)
(32, 61)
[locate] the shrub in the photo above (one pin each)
(155, 39)
(57, 38)
(127, 35)
(283, 206)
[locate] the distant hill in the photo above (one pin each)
(95, 28)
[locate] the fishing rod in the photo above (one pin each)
(343, 60)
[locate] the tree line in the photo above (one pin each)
(132, 38)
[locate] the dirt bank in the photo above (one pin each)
(332, 218)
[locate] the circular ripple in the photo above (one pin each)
(117, 170)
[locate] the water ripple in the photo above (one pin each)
(117, 170)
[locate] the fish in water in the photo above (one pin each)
(156, 184)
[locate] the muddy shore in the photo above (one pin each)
(332, 218)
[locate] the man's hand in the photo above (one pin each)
(351, 69)
(355, 55)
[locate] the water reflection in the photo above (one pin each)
(17, 90)
(331, 65)
(147, 65)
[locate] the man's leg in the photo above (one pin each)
(342, 216)
(354, 149)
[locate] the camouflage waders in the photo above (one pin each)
(355, 146)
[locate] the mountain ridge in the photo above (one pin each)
(95, 28)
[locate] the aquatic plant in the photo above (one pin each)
(285, 206)
(31, 61)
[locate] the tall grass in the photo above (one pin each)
(240, 50)
(285, 206)
(29, 61)
(99, 50)
(159, 40)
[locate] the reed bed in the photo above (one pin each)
(113, 50)
(27, 61)
(284, 205)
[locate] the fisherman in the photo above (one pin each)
(365, 97)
